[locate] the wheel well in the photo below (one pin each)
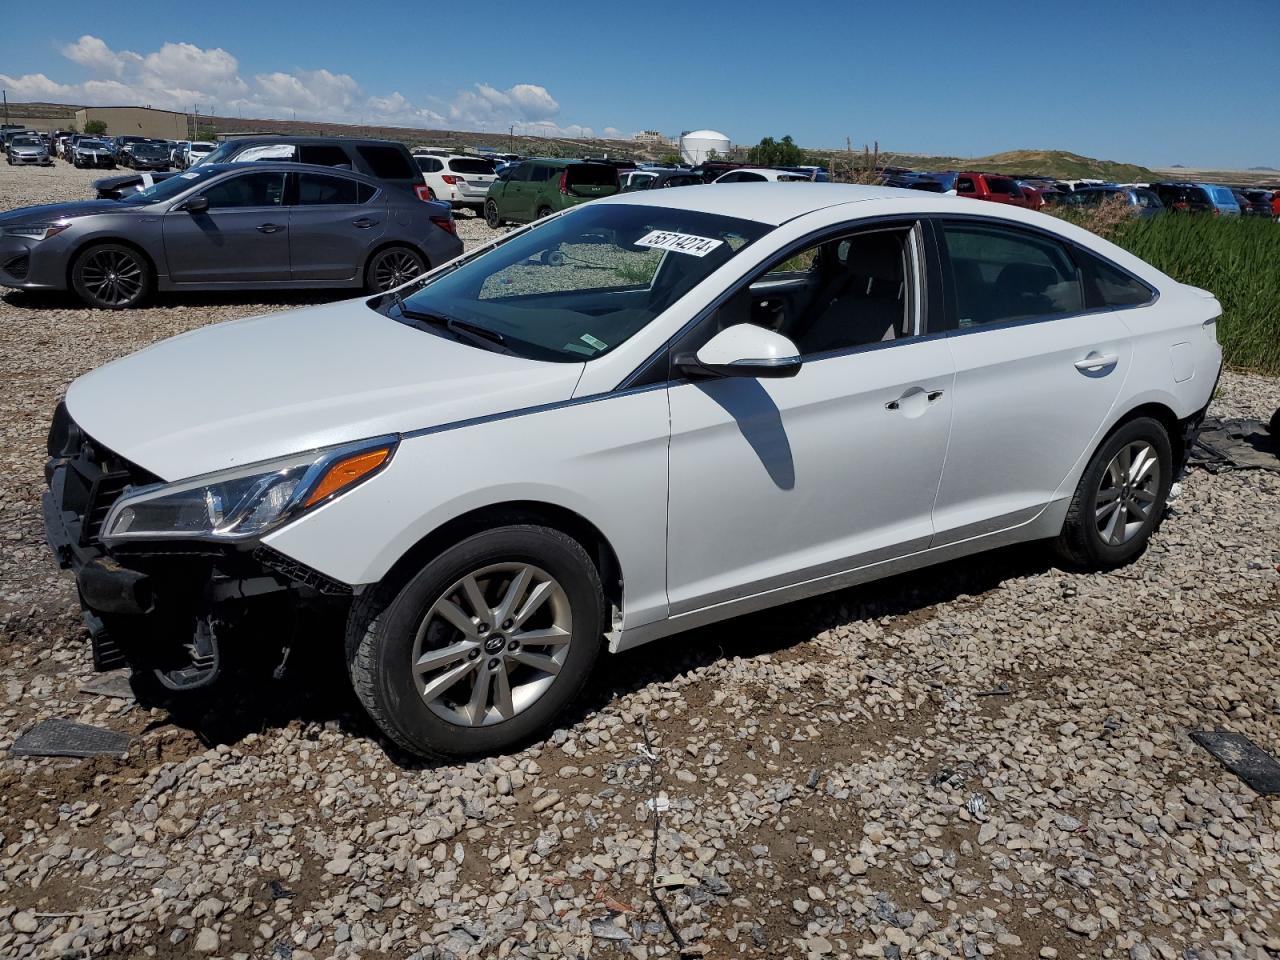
(387, 245)
(1166, 418)
(504, 514)
(102, 241)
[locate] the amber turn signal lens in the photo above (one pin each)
(346, 472)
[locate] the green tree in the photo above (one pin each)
(776, 153)
(670, 160)
(95, 128)
(205, 133)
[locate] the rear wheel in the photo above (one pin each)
(484, 647)
(111, 276)
(543, 212)
(491, 216)
(1120, 498)
(391, 267)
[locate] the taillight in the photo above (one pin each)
(450, 179)
(564, 182)
(422, 191)
(446, 224)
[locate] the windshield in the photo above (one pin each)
(215, 156)
(91, 145)
(150, 150)
(170, 186)
(581, 284)
(26, 142)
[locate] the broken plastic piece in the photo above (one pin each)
(663, 803)
(1242, 757)
(66, 738)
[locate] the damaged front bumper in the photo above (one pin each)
(164, 606)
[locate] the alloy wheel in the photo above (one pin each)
(492, 644)
(395, 267)
(114, 277)
(1126, 496)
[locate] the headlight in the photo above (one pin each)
(247, 501)
(34, 231)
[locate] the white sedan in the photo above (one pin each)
(761, 175)
(648, 413)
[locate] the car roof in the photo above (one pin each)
(772, 203)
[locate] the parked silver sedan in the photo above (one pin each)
(237, 226)
(30, 151)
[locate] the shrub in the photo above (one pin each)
(95, 127)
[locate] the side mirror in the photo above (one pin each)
(743, 350)
(196, 205)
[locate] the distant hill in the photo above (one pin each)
(1045, 163)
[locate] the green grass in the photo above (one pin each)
(1237, 259)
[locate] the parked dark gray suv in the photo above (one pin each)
(240, 226)
(384, 160)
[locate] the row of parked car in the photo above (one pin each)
(32, 147)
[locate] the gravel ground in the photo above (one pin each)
(988, 758)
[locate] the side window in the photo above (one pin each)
(364, 192)
(750, 177)
(1001, 185)
(1001, 274)
(840, 293)
(324, 155)
(388, 163)
(265, 189)
(1111, 286)
(731, 178)
(318, 189)
(520, 172)
(266, 151)
(540, 173)
(965, 185)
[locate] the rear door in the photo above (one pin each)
(1037, 374)
(242, 237)
(515, 200)
(333, 223)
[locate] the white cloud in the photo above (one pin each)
(180, 76)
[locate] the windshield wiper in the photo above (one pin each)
(473, 332)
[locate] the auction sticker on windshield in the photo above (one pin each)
(679, 242)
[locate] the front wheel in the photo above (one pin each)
(1120, 498)
(543, 213)
(391, 267)
(484, 647)
(111, 276)
(491, 216)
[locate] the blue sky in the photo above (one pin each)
(1137, 80)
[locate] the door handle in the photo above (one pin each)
(935, 396)
(915, 400)
(269, 227)
(363, 223)
(1095, 362)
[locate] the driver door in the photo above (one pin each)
(776, 483)
(242, 238)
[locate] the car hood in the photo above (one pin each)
(251, 390)
(48, 212)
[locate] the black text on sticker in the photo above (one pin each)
(679, 242)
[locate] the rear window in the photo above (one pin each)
(1222, 195)
(471, 165)
(323, 154)
(388, 163)
(592, 175)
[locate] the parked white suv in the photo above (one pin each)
(462, 181)
(194, 152)
(644, 414)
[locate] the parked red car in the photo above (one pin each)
(997, 189)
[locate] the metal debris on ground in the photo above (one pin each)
(673, 881)
(115, 684)
(66, 738)
(1235, 445)
(1243, 757)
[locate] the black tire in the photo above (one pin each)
(382, 627)
(491, 216)
(1081, 544)
(392, 266)
(94, 265)
(1274, 428)
(543, 213)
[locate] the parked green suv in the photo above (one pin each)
(532, 189)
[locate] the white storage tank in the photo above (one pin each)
(696, 145)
